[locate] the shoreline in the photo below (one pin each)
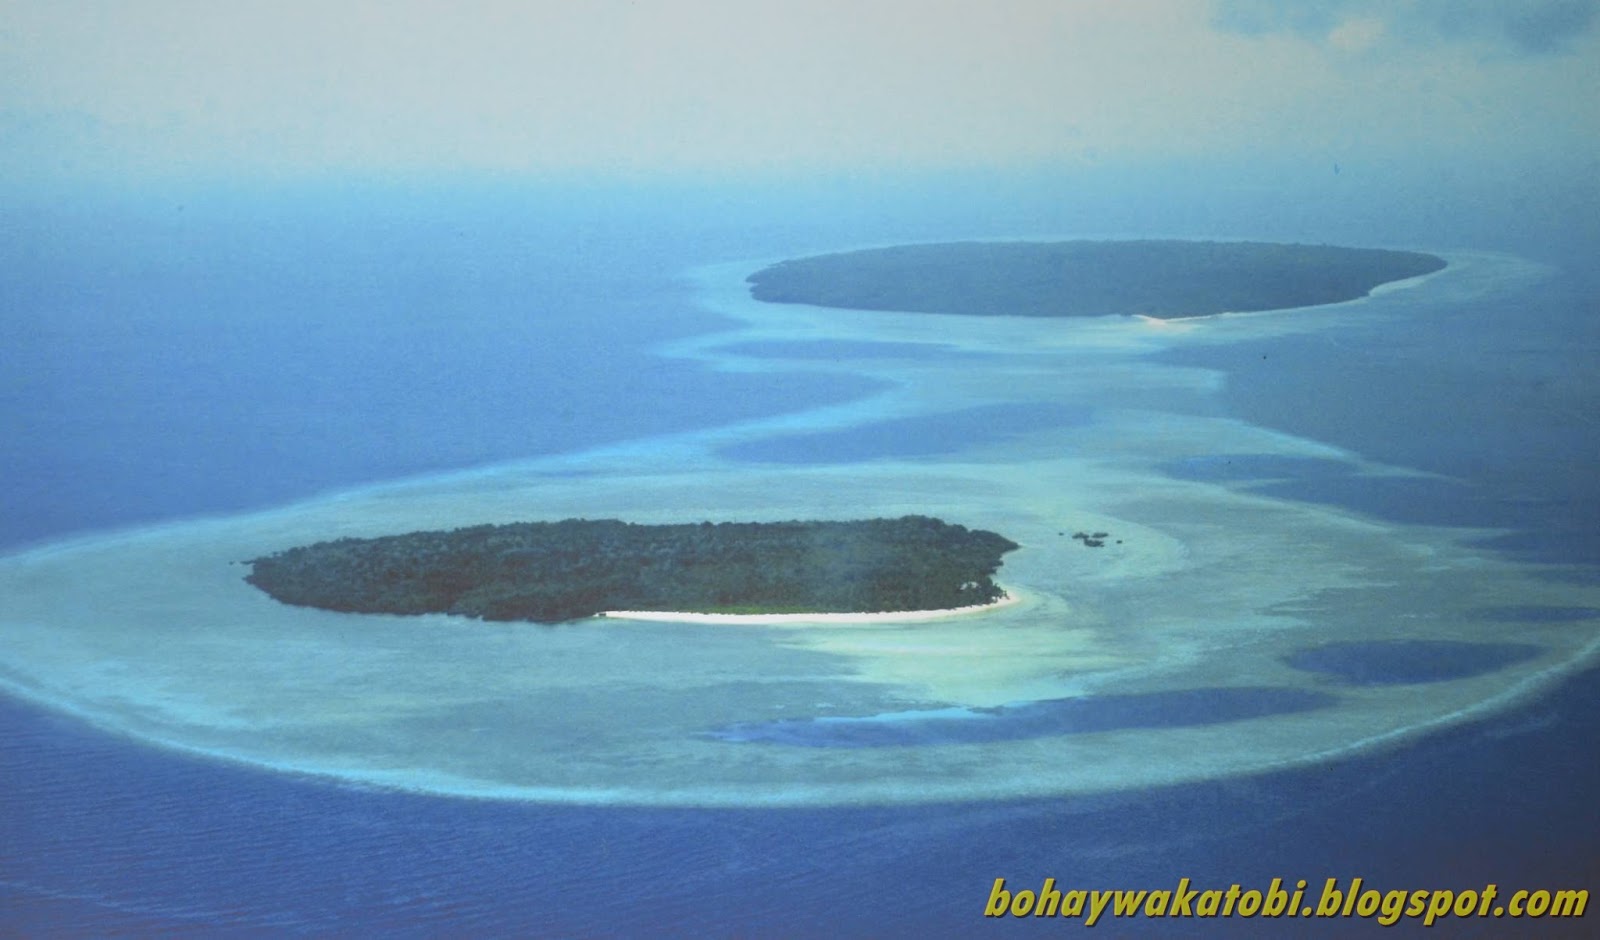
(1006, 599)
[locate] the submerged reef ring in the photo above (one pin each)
(1159, 656)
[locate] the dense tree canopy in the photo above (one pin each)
(555, 571)
(1084, 278)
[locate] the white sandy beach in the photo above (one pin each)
(896, 616)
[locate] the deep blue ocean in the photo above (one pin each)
(199, 351)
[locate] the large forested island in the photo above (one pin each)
(1162, 279)
(556, 571)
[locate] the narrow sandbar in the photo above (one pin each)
(885, 616)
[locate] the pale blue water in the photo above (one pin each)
(1219, 467)
(950, 432)
(1039, 719)
(842, 350)
(197, 353)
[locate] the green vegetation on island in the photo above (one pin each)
(555, 571)
(1087, 278)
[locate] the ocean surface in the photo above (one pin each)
(201, 354)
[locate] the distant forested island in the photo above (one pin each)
(1087, 278)
(556, 571)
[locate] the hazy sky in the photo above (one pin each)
(720, 86)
